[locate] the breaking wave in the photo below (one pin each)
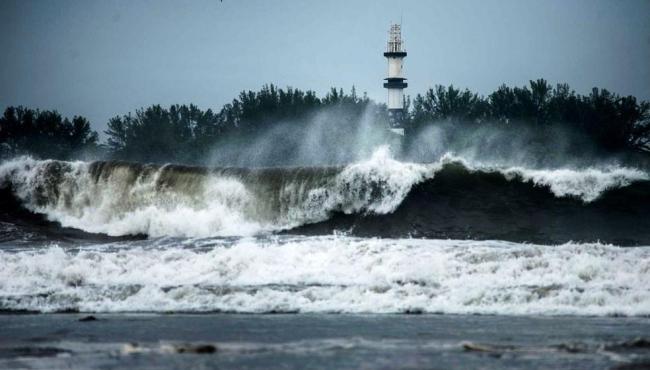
(330, 274)
(449, 198)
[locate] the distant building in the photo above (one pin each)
(395, 82)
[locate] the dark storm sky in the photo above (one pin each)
(103, 58)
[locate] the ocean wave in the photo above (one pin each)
(332, 274)
(587, 184)
(119, 198)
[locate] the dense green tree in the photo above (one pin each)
(613, 122)
(447, 103)
(185, 133)
(44, 134)
(155, 133)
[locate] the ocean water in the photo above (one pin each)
(376, 264)
(321, 341)
(328, 274)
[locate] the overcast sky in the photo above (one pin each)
(103, 58)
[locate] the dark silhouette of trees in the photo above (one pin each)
(185, 133)
(447, 103)
(179, 133)
(614, 123)
(256, 110)
(45, 134)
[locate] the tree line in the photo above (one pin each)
(45, 134)
(614, 122)
(186, 133)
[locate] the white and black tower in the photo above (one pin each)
(395, 82)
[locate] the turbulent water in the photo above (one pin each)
(330, 274)
(448, 198)
(456, 237)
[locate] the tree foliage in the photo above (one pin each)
(186, 133)
(179, 132)
(45, 134)
(614, 122)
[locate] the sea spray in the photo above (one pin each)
(120, 198)
(331, 274)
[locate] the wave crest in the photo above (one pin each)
(119, 198)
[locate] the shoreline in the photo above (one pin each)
(322, 341)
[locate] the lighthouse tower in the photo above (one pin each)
(395, 82)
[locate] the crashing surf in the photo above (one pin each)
(120, 198)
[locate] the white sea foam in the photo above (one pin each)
(211, 204)
(587, 184)
(116, 205)
(133, 200)
(332, 274)
(377, 185)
